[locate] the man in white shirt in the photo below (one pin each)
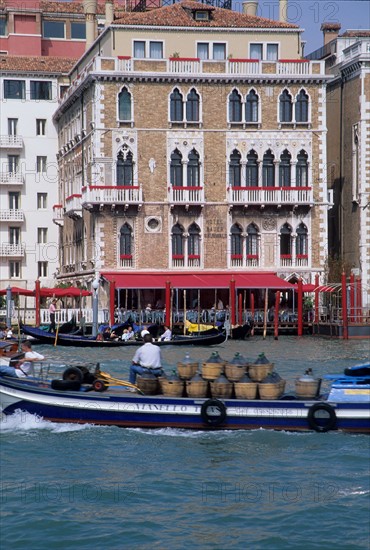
(167, 335)
(146, 359)
(24, 365)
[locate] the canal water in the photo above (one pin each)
(85, 487)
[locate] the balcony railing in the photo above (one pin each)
(112, 195)
(11, 215)
(11, 142)
(294, 67)
(270, 195)
(73, 206)
(126, 260)
(240, 260)
(11, 178)
(12, 250)
(58, 214)
(185, 195)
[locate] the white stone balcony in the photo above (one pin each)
(12, 250)
(270, 195)
(11, 178)
(73, 206)
(11, 142)
(11, 215)
(111, 195)
(185, 195)
(58, 214)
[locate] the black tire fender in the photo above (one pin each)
(66, 385)
(213, 412)
(73, 373)
(314, 421)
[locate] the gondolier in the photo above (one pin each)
(146, 359)
(52, 309)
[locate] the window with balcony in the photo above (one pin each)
(252, 242)
(235, 169)
(41, 163)
(41, 126)
(12, 126)
(219, 51)
(301, 107)
(14, 89)
(42, 201)
(125, 168)
(211, 50)
(193, 169)
(235, 107)
(192, 106)
(302, 242)
(194, 241)
(78, 30)
(285, 169)
(256, 51)
(42, 235)
(139, 49)
(14, 270)
(53, 29)
(268, 169)
(148, 48)
(236, 242)
(14, 235)
(13, 163)
(42, 269)
(176, 172)
(203, 50)
(272, 52)
(156, 50)
(177, 242)
(302, 169)
(176, 106)
(40, 90)
(251, 107)
(14, 200)
(252, 169)
(286, 242)
(125, 242)
(285, 107)
(124, 105)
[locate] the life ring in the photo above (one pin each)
(213, 412)
(319, 423)
(73, 373)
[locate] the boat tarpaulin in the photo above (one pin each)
(202, 279)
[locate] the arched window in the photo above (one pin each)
(268, 169)
(124, 105)
(301, 107)
(285, 169)
(194, 240)
(176, 174)
(193, 169)
(235, 169)
(285, 240)
(301, 240)
(251, 107)
(302, 169)
(125, 168)
(177, 240)
(252, 240)
(176, 106)
(236, 240)
(285, 107)
(235, 107)
(252, 169)
(192, 106)
(125, 240)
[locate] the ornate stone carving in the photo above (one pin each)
(269, 224)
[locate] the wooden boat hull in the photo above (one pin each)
(85, 341)
(121, 408)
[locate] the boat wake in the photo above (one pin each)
(21, 421)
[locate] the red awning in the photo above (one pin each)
(17, 290)
(64, 292)
(141, 280)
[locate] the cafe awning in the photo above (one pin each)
(212, 279)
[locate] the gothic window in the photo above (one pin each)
(176, 106)
(268, 169)
(193, 169)
(301, 240)
(124, 105)
(125, 240)
(177, 240)
(125, 168)
(252, 240)
(235, 169)
(194, 240)
(176, 173)
(251, 107)
(285, 106)
(285, 169)
(285, 240)
(301, 107)
(252, 169)
(302, 169)
(235, 107)
(236, 240)
(192, 106)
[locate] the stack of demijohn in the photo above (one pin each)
(213, 367)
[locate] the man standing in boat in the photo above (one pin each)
(147, 359)
(52, 310)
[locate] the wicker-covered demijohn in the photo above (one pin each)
(261, 368)
(187, 368)
(148, 384)
(235, 369)
(245, 388)
(213, 367)
(197, 386)
(221, 387)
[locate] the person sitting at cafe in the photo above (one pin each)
(147, 359)
(128, 334)
(167, 335)
(23, 367)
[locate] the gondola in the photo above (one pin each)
(44, 337)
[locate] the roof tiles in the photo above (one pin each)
(25, 64)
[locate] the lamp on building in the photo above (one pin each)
(95, 305)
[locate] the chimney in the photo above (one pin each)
(90, 7)
(250, 8)
(109, 12)
(330, 31)
(283, 11)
